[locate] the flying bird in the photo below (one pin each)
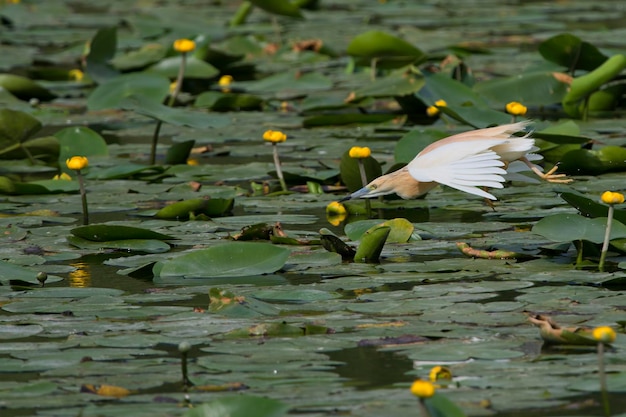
(466, 161)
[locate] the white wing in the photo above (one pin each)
(464, 165)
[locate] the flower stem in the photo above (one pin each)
(279, 171)
(602, 377)
(170, 103)
(607, 236)
(183, 365)
(83, 197)
(368, 204)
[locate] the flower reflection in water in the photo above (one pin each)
(81, 276)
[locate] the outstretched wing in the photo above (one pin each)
(464, 165)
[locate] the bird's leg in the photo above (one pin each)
(549, 176)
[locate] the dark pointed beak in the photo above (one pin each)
(357, 194)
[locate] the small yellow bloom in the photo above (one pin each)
(336, 208)
(604, 334)
(172, 87)
(359, 152)
(609, 197)
(184, 45)
(63, 176)
(516, 109)
(422, 388)
(433, 110)
(440, 372)
(193, 162)
(274, 136)
(76, 75)
(225, 80)
(77, 162)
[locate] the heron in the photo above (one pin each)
(466, 161)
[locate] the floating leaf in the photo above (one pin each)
(24, 88)
(217, 101)
(371, 244)
(401, 229)
(441, 406)
(564, 227)
(532, 89)
(109, 232)
(194, 68)
(414, 142)
(101, 50)
(111, 94)
(176, 116)
(209, 206)
(232, 259)
(591, 208)
(386, 50)
(399, 83)
(280, 7)
(571, 52)
(127, 245)
(594, 162)
(334, 244)
(79, 141)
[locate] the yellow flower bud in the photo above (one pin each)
(63, 176)
(184, 45)
(609, 197)
(433, 110)
(76, 75)
(604, 334)
(336, 208)
(440, 372)
(359, 152)
(516, 109)
(274, 136)
(225, 80)
(422, 388)
(77, 163)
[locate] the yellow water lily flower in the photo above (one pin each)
(422, 388)
(433, 110)
(359, 152)
(609, 197)
(76, 75)
(604, 334)
(516, 109)
(274, 136)
(77, 163)
(184, 45)
(336, 208)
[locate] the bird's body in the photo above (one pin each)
(466, 161)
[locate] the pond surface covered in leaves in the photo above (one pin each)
(288, 319)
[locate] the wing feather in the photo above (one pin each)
(462, 165)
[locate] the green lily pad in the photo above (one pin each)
(232, 259)
(24, 88)
(570, 227)
(211, 207)
(111, 94)
(110, 232)
(386, 50)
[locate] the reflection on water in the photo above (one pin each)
(81, 276)
(370, 368)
